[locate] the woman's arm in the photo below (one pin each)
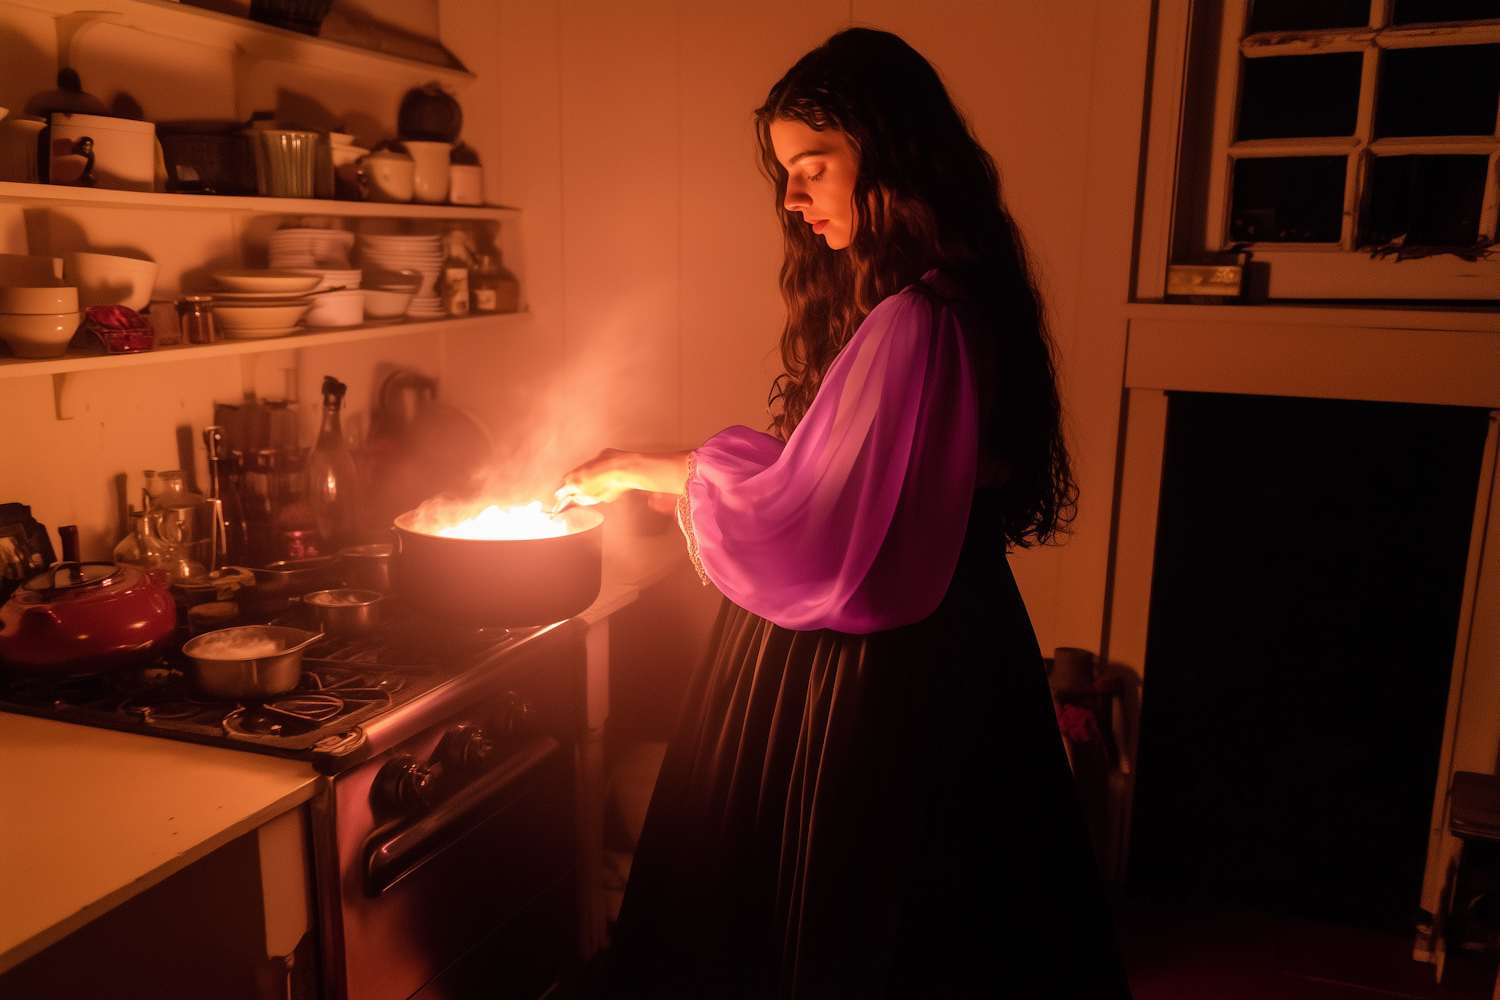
(611, 473)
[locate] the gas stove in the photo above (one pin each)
(346, 683)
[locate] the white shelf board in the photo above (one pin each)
(207, 27)
(78, 361)
(41, 195)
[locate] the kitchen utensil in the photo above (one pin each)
(368, 567)
(387, 176)
(383, 303)
(285, 162)
(431, 177)
(345, 307)
(51, 299)
(103, 152)
(86, 617)
(39, 336)
(511, 582)
(465, 184)
(345, 611)
(286, 282)
(253, 321)
(248, 661)
(280, 581)
(109, 280)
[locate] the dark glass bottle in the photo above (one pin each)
(330, 474)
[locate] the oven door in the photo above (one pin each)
(476, 894)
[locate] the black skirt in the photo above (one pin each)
(886, 815)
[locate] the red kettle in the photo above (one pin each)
(86, 617)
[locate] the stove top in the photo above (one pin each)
(345, 682)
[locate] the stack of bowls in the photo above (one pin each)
(388, 294)
(39, 322)
(423, 254)
(311, 248)
(260, 304)
(330, 277)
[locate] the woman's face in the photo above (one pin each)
(821, 168)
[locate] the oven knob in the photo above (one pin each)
(405, 785)
(464, 747)
(515, 718)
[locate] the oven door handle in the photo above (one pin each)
(389, 860)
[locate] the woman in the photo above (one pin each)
(866, 795)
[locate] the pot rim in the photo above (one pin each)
(581, 512)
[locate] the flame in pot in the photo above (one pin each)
(495, 523)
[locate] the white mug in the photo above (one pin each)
(431, 182)
(387, 176)
(466, 184)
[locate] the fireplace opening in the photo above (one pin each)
(1308, 575)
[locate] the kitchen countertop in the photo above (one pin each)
(91, 817)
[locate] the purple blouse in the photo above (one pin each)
(856, 522)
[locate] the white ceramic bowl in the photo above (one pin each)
(266, 280)
(385, 303)
(329, 277)
(392, 280)
(246, 318)
(47, 300)
(341, 308)
(106, 280)
(39, 336)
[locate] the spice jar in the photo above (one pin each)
(197, 319)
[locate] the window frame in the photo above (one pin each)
(1346, 269)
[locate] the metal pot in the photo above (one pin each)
(278, 583)
(249, 677)
(509, 583)
(86, 617)
(368, 567)
(345, 612)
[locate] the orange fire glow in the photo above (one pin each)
(494, 522)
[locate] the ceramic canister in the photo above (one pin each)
(466, 184)
(96, 151)
(430, 183)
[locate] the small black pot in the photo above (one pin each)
(508, 583)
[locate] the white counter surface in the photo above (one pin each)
(90, 817)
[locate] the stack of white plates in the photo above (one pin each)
(423, 254)
(311, 248)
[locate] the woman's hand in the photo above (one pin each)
(610, 474)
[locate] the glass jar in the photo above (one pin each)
(141, 547)
(494, 289)
(197, 320)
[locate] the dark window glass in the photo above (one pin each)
(1425, 11)
(1299, 15)
(1291, 199)
(1451, 90)
(1295, 96)
(1433, 201)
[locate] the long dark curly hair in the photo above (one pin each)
(927, 196)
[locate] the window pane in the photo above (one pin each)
(1299, 15)
(1296, 96)
(1423, 11)
(1291, 199)
(1451, 90)
(1433, 201)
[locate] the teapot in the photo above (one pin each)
(86, 617)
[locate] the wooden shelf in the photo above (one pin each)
(251, 38)
(42, 195)
(78, 361)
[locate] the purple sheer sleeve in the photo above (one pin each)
(856, 523)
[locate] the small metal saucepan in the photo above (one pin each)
(345, 612)
(248, 661)
(368, 567)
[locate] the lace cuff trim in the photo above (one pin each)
(685, 519)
